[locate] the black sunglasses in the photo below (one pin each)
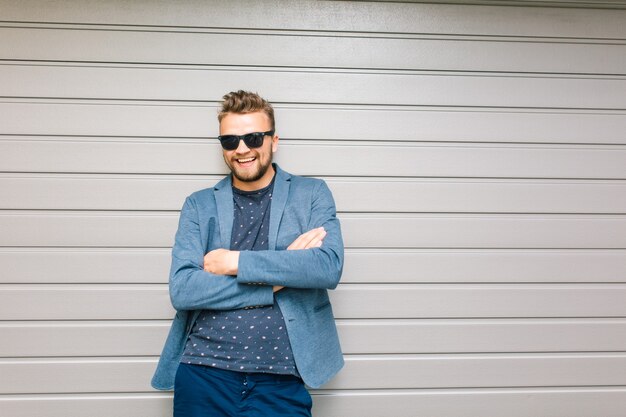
(252, 140)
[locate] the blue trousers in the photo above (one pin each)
(211, 392)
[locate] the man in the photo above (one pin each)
(252, 260)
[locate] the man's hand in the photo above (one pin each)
(222, 262)
(311, 239)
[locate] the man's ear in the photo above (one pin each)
(274, 143)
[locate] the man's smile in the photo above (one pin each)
(245, 162)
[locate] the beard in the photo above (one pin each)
(251, 175)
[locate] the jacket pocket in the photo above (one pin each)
(321, 306)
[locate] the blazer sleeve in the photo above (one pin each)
(193, 288)
(308, 268)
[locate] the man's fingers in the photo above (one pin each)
(297, 244)
(308, 239)
(316, 240)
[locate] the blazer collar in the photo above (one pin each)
(224, 200)
(225, 207)
(279, 201)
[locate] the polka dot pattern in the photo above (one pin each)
(251, 339)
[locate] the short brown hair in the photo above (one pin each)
(242, 102)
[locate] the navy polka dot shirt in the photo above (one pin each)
(251, 339)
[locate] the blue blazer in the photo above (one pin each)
(206, 221)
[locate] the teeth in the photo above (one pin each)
(241, 161)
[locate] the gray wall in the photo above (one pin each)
(476, 152)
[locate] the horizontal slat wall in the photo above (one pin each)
(369, 122)
(395, 372)
(119, 302)
(367, 336)
(164, 192)
(199, 83)
(103, 155)
(376, 17)
(388, 230)
(476, 155)
(241, 48)
(518, 402)
(151, 265)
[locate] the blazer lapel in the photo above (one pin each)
(279, 200)
(225, 208)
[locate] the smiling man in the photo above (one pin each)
(251, 264)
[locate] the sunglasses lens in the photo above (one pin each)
(253, 140)
(229, 142)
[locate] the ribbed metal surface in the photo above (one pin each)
(477, 156)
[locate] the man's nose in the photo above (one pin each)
(242, 147)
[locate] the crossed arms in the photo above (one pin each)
(226, 262)
(223, 279)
